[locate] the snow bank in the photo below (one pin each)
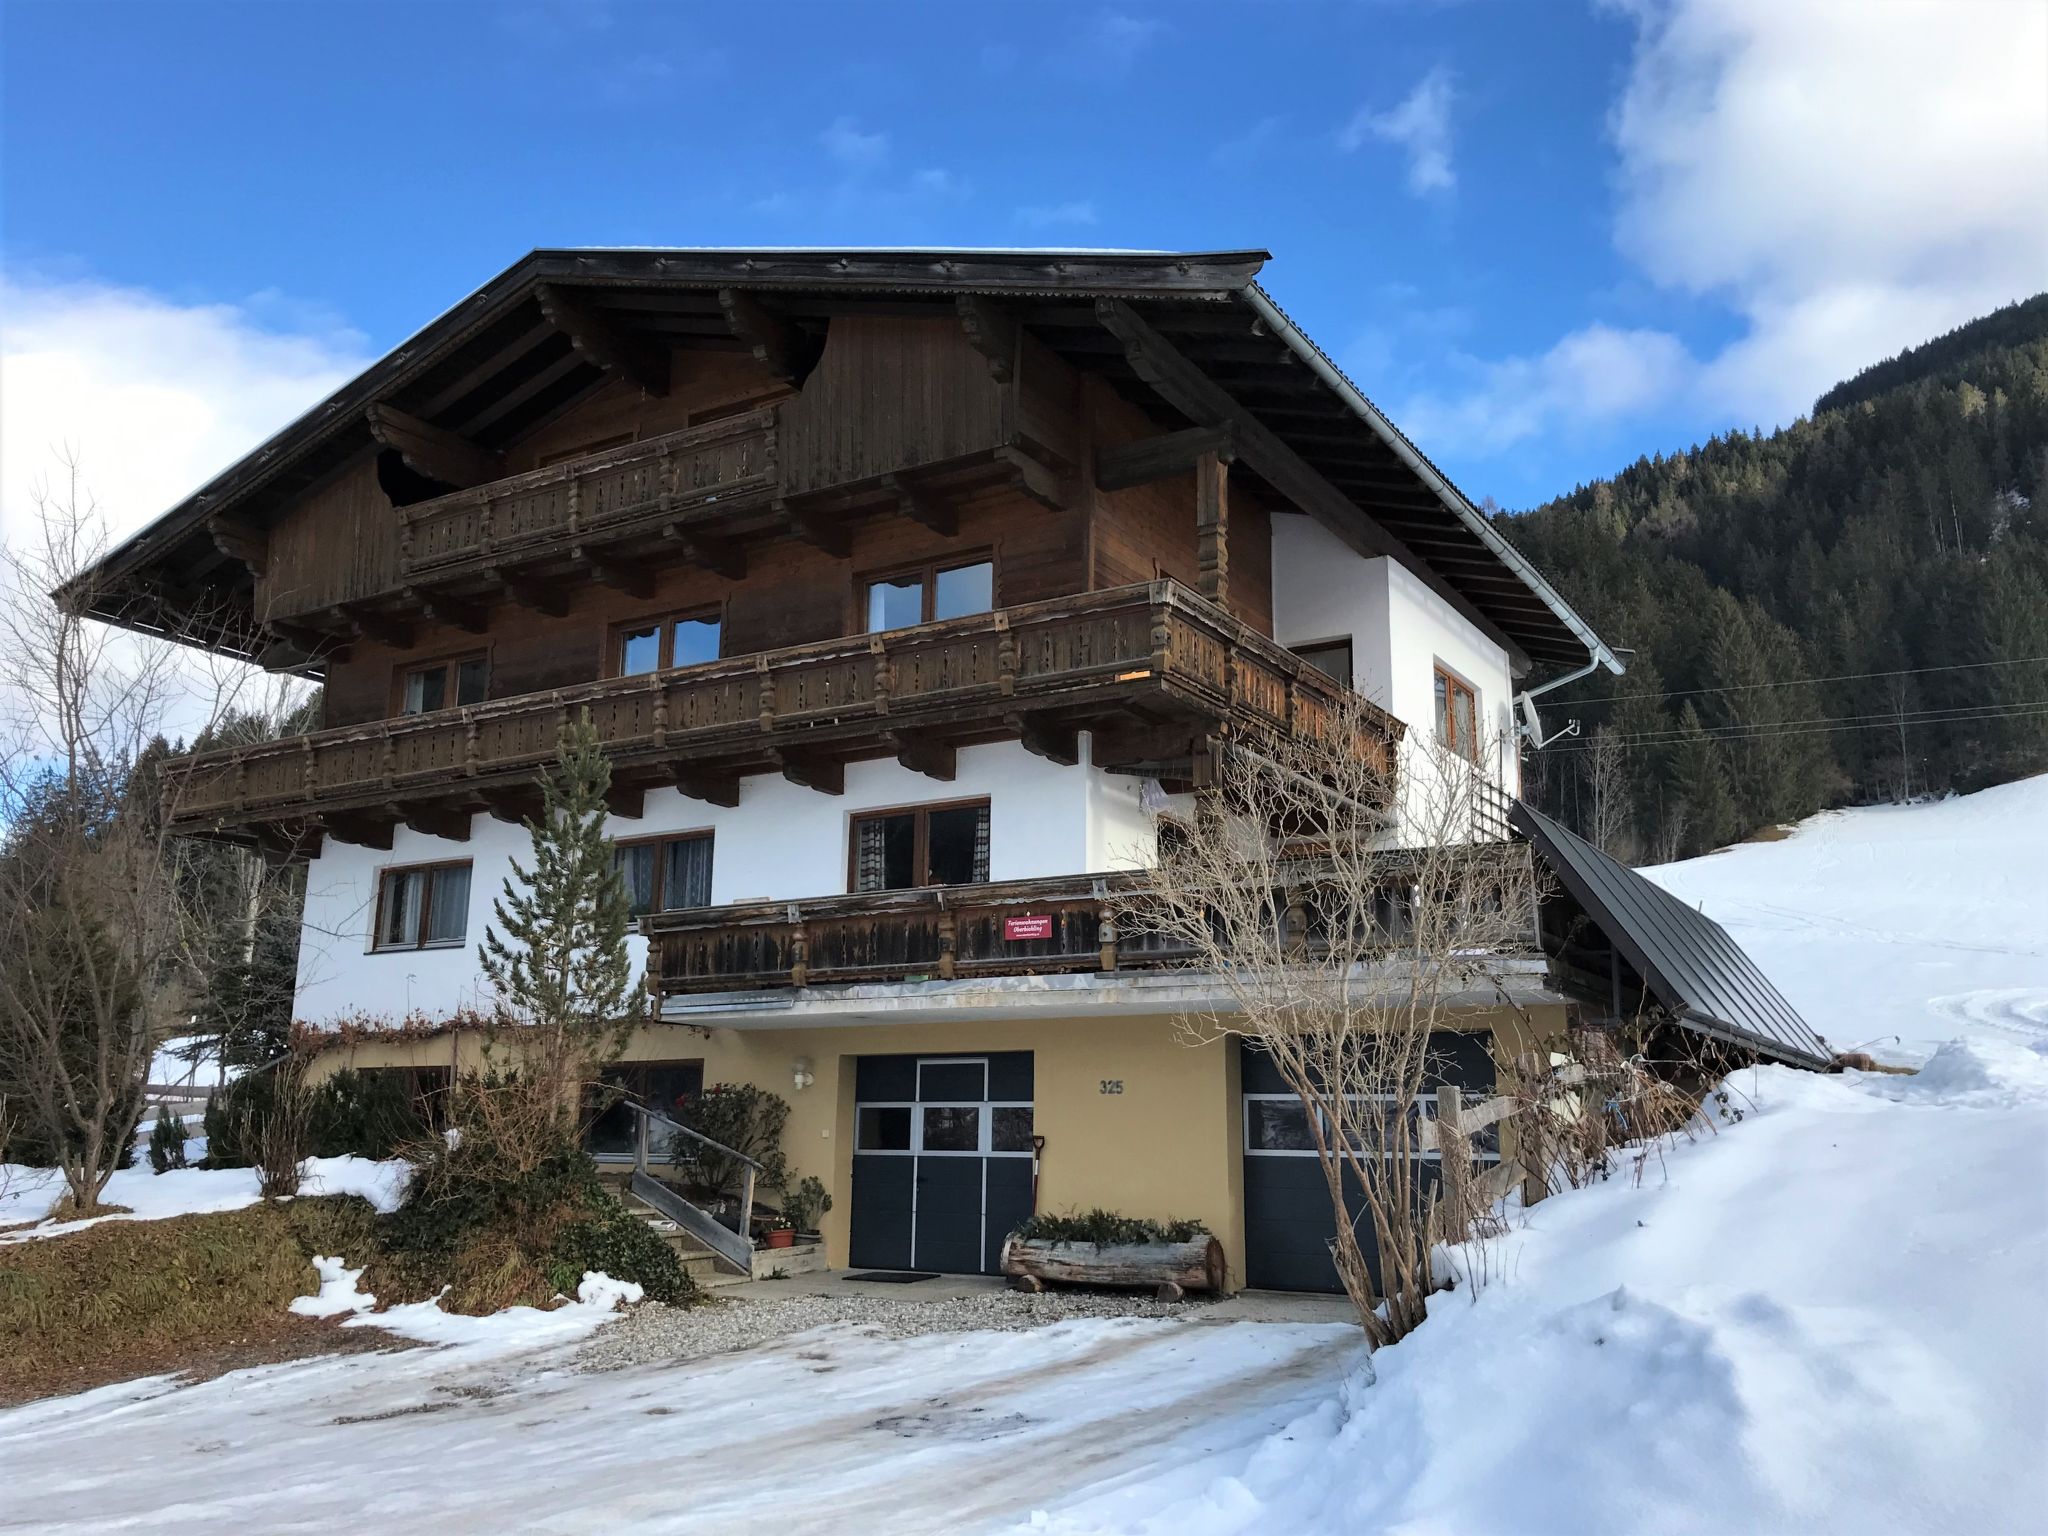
(598, 1297)
(337, 1294)
(1824, 1317)
(1912, 924)
(31, 1193)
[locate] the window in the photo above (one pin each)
(463, 680)
(930, 593)
(662, 874)
(926, 845)
(425, 907)
(677, 641)
(1332, 658)
(1457, 715)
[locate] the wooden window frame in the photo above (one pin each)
(666, 620)
(1447, 733)
(921, 850)
(927, 572)
(402, 673)
(426, 923)
(659, 841)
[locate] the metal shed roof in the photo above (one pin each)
(1685, 958)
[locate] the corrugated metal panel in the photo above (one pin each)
(1683, 956)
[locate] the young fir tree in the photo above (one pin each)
(561, 968)
(167, 1141)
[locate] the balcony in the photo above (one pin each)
(676, 480)
(937, 933)
(1152, 669)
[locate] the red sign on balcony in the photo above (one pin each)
(1027, 928)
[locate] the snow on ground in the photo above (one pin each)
(1822, 1318)
(28, 1194)
(192, 1063)
(1915, 923)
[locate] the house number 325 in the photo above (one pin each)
(1112, 1085)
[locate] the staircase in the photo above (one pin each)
(701, 1263)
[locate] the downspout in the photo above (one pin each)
(1525, 702)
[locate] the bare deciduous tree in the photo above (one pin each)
(1347, 919)
(92, 922)
(1609, 809)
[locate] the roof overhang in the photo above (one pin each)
(499, 360)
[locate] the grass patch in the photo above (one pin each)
(151, 1290)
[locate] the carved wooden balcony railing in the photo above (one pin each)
(936, 933)
(607, 497)
(1151, 666)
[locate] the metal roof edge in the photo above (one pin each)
(1453, 498)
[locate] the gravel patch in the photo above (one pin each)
(653, 1333)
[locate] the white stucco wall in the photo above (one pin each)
(781, 842)
(1400, 632)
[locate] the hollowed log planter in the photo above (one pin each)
(1190, 1266)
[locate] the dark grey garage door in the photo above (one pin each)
(1288, 1221)
(941, 1160)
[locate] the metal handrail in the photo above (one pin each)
(749, 1170)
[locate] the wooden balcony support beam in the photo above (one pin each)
(430, 820)
(433, 451)
(815, 529)
(472, 618)
(1159, 458)
(634, 581)
(516, 804)
(722, 557)
(239, 541)
(384, 628)
(776, 344)
(363, 829)
(1212, 526)
(601, 341)
(921, 507)
(711, 788)
(993, 331)
(924, 754)
(826, 775)
(1050, 739)
(1191, 391)
(544, 597)
(627, 800)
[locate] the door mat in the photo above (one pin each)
(895, 1276)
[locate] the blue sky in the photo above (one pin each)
(1547, 237)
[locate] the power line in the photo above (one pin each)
(1795, 682)
(1892, 717)
(1824, 726)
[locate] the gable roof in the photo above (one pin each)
(494, 365)
(1687, 960)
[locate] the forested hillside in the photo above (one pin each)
(1849, 609)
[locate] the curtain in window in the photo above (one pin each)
(687, 880)
(448, 912)
(636, 873)
(981, 846)
(870, 851)
(401, 908)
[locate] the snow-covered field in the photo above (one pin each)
(1824, 1317)
(27, 1194)
(1894, 928)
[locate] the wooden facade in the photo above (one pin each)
(1153, 670)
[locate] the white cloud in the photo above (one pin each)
(1845, 180)
(154, 397)
(1421, 125)
(1593, 376)
(845, 143)
(1115, 40)
(1046, 216)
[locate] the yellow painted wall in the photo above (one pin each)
(1168, 1145)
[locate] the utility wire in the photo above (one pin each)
(1886, 716)
(1819, 728)
(1795, 682)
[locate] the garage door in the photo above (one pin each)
(1288, 1220)
(941, 1161)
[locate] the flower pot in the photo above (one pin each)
(780, 1237)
